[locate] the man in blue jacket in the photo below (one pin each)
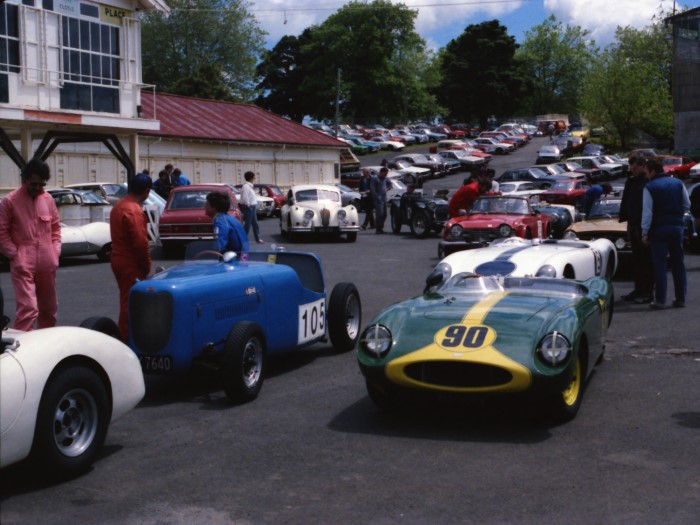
(665, 202)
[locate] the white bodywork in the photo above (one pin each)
(93, 238)
(28, 364)
(522, 188)
(579, 260)
(318, 208)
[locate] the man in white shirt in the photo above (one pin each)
(248, 205)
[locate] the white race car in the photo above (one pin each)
(60, 388)
(514, 256)
(93, 238)
(318, 208)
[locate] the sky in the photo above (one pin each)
(440, 21)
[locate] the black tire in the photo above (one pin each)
(395, 223)
(103, 325)
(564, 405)
(344, 317)
(72, 421)
(244, 362)
(420, 225)
(528, 234)
(105, 254)
(352, 236)
(610, 269)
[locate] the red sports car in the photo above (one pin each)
(184, 219)
(490, 218)
(566, 192)
(678, 167)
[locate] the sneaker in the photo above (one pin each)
(634, 294)
(260, 241)
(645, 299)
(679, 304)
(657, 306)
(363, 227)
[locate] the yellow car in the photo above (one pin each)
(603, 223)
(580, 131)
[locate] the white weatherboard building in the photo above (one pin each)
(71, 93)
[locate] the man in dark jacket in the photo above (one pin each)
(664, 204)
(631, 212)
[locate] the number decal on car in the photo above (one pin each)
(312, 321)
(464, 337)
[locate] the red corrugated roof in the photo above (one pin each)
(196, 118)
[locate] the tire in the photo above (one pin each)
(528, 234)
(244, 362)
(419, 225)
(352, 236)
(103, 325)
(344, 317)
(105, 254)
(610, 269)
(72, 421)
(395, 223)
(565, 404)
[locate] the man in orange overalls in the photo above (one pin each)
(131, 254)
(30, 237)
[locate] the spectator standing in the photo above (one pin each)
(162, 186)
(229, 233)
(366, 200)
(131, 253)
(378, 189)
(249, 206)
(631, 212)
(465, 196)
(593, 194)
(664, 204)
(178, 178)
(489, 174)
(30, 237)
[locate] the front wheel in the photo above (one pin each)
(105, 253)
(344, 317)
(352, 236)
(103, 325)
(419, 225)
(243, 367)
(565, 405)
(72, 420)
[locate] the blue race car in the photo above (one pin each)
(229, 314)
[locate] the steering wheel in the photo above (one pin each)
(199, 255)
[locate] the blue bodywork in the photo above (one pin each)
(185, 313)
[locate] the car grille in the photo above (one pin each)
(150, 320)
(441, 213)
(488, 234)
(457, 375)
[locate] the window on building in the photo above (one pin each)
(9, 46)
(90, 65)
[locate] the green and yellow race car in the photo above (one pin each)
(489, 336)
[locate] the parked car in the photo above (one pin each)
(451, 133)
(694, 172)
(491, 218)
(61, 388)
(519, 188)
(184, 219)
(611, 170)
(548, 153)
(274, 192)
(568, 165)
(528, 174)
(422, 214)
(113, 192)
(677, 166)
(265, 206)
(493, 146)
(93, 238)
(477, 336)
(387, 144)
(561, 216)
(229, 315)
(550, 169)
(593, 149)
(318, 208)
(517, 257)
(420, 160)
(603, 223)
(466, 160)
(566, 192)
(451, 165)
(349, 197)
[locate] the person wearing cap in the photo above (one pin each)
(30, 237)
(131, 253)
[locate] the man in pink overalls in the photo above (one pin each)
(30, 237)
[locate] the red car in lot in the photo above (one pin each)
(184, 219)
(272, 191)
(491, 218)
(677, 166)
(566, 192)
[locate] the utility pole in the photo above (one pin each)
(337, 102)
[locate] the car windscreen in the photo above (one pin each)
(604, 209)
(562, 186)
(316, 194)
(500, 205)
(188, 200)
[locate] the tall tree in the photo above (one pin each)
(480, 74)
(179, 48)
(628, 87)
(556, 58)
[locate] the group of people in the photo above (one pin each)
(168, 178)
(653, 204)
(30, 238)
(373, 192)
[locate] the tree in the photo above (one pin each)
(556, 59)
(628, 86)
(179, 51)
(480, 74)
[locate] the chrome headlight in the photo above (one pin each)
(376, 340)
(620, 243)
(554, 349)
(546, 271)
(308, 215)
(570, 235)
(431, 205)
(456, 231)
(342, 214)
(505, 231)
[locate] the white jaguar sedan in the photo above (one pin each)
(513, 256)
(318, 208)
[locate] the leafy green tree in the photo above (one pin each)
(557, 59)
(178, 50)
(480, 73)
(628, 86)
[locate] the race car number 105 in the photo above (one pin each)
(312, 321)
